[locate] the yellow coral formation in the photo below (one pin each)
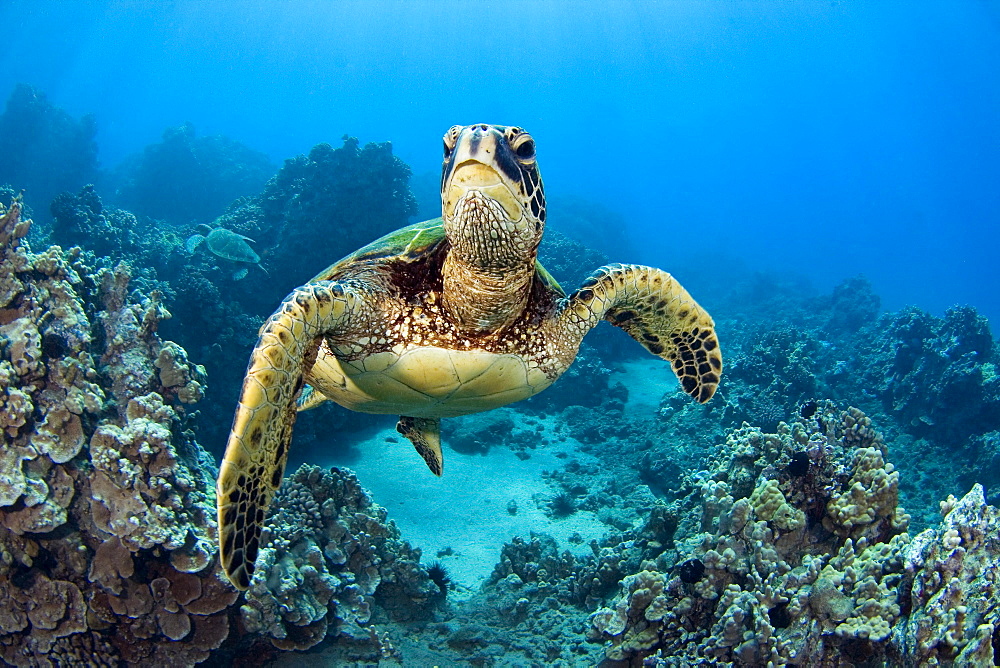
(872, 496)
(178, 375)
(769, 504)
(627, 623)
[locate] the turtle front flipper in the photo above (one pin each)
(658, 313)
(425, 434)
(255, 456)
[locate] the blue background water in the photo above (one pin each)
(826, 138)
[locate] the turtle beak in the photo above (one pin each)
(478, 145)
(474, 166)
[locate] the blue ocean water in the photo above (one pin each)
(827, 139)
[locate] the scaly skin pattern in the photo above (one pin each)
(493, 205)
(656, 311)
(255, 456)
(430, 325)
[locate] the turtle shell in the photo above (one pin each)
(412, 241)
(231, 246)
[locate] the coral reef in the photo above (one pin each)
(805, 560)
(109, 236)
(930, 382)
(791, 547)
(345, 196)
(936, 376)
(107, 510)
(82, 220)
(45, 151)
(328, 556)
(106, 523)
(187, 178)
(567, 259)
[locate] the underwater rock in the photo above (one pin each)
(188, 178)
(853, 305)
(45, 151)
(109, 235)
(346, 196)
(107, 520)
(82, 220)
(342, 198)
(936, 376)
(954, 596)
(930, 382)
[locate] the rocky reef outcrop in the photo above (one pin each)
(188, 178)
(789, 548)
(329, 553)
(45, 150)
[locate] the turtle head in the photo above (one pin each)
(492, 198)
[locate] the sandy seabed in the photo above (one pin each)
(461, 519)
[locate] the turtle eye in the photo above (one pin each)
(526, 149)
(450, 138)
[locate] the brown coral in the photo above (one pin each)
(133, 496)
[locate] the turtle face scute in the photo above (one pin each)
(493, 202)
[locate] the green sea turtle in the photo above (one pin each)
(442, 318)
(227, 245)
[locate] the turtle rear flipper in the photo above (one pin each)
(425, 434)
(309, 398)
(658, 313)
(257, 450)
